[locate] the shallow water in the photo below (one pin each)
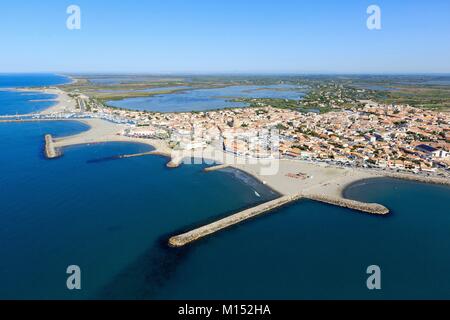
(208, 99)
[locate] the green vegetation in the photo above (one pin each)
(325, 93)
(422, 97)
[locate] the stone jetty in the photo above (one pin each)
(49, 150)
(199, 233)
(372, 208)
(216, 168)
(418, 178)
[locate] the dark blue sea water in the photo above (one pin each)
(102, 216)
(15, 80)
(113, 219)
(16, 102)
(208, 99)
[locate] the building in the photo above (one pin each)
(433, 152)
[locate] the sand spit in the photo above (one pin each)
(63, 102)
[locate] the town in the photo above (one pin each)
(368, 135)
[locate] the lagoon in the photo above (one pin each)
(208, 99)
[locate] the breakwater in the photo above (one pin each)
(215, 168)
(199, 233)
(173, 163)
(372, 208)
(49, 149)
(143, 154)
(418, 178)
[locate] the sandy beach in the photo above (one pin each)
(318, 178)
(63, 103)
(290, 178)
(102, 131)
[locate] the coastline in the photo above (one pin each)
(72, 79)
(293, 180)
(322, 179)
(62, 102)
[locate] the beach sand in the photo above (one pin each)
(319, 179)
(63, 103)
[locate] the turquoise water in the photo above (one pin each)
(208, 99)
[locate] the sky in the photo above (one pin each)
(225, 36)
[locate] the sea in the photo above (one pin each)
(113, 217)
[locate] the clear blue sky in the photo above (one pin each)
(314, 36)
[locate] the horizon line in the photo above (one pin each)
(224, 73)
